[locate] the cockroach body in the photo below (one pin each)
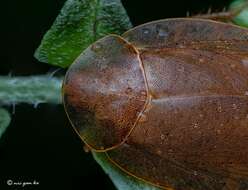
(167, 102)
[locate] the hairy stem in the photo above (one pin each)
(30, 89)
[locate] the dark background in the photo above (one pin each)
(40, 144)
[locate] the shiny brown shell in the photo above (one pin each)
(167, 102)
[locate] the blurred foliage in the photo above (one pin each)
(121, 180)
(80, 23)
(4, 120)
(241, 7)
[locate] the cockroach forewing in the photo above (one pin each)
(195, 134)
(185, 32)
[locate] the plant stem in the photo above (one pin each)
(30, 89)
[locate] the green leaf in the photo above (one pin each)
(240, 6)
(80, 23)
(4, 120)
(121, 180)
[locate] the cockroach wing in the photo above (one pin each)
(104, 91)
(194, 131)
